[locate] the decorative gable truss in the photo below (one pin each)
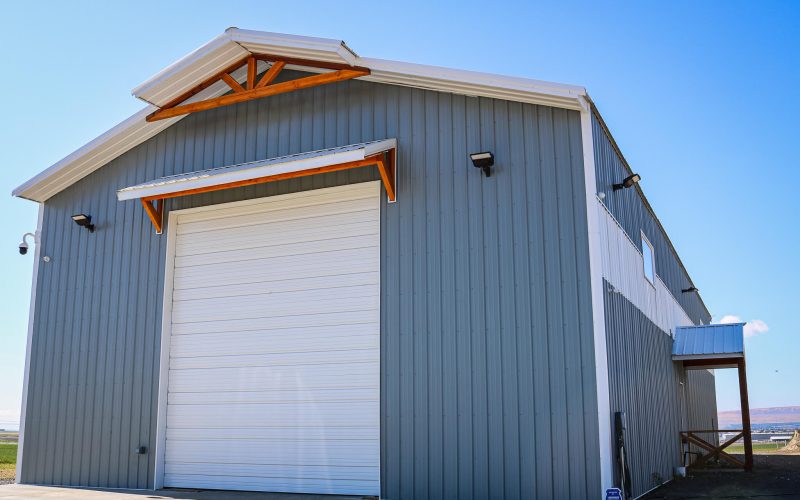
(255, 89)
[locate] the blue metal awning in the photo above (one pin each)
(709, 342)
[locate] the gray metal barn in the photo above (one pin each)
(398, 324)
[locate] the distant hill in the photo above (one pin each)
(775, 415)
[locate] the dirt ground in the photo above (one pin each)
(773, 477)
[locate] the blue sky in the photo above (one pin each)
(701, 97)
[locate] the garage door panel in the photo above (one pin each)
(251, 415)
(321, 486)
(298, 215)
(274, 352)
(296, 358)
(276, 304)
(345, 453)
(215, 310)
(303, 394)
(212, 244)
(363, 473)
(235, 238)
(308, 432)
(322, 263)
(275, 323)
(264, 378)
(338, 242)
(293, 285)
(287, 340)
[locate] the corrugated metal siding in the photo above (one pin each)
(701, 402)
(623, 268)
(488, 378)
(630, 211)
(645, 383)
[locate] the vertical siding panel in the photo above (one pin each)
(463, 293)
(519, 143)
(494, 387)
(482, 283)
(480, 466)
(433, 258)
(507, 358)
(420, 295)
(406, 302)
(449, 370)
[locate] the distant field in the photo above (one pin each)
(738, 448)
(8, 460)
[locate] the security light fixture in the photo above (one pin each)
(689, 290)
(628, 182)
(483, 161)
(84, 220)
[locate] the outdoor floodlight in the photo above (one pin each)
(628, 182)
(689, 290)
(84, 220)
(483, 161)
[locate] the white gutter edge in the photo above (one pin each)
(598, 307)
(29, 343)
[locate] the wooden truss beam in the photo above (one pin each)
(252, 90)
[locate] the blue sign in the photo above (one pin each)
(613, 494)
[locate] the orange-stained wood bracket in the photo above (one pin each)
(386, 169)
(271, 74)
(156, 214)
(296, 61)
(202, 86)
(251, 72)
(232, 83)
(248, 95)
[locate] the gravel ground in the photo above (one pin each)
(773, 477)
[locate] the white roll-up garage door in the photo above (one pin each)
(273, 379)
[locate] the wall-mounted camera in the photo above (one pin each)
(23, 246)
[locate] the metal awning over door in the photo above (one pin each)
(381, 154)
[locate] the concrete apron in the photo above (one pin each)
(26, 491)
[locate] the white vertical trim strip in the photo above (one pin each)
(166, 332)
(31, 314)
(598, 307)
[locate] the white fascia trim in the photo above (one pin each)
(473, 83)
(598, 306)
(31, 314)
(188, 60)
(119, 139)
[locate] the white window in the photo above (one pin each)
(648, 260)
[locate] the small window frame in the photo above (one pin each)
(646, 243)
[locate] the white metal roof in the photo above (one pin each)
(256, 169)
(235, 43)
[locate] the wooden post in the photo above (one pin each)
(748, 439)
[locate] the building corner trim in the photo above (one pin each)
(598, 308)
(29, 342)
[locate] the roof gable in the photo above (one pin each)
(236, 43)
